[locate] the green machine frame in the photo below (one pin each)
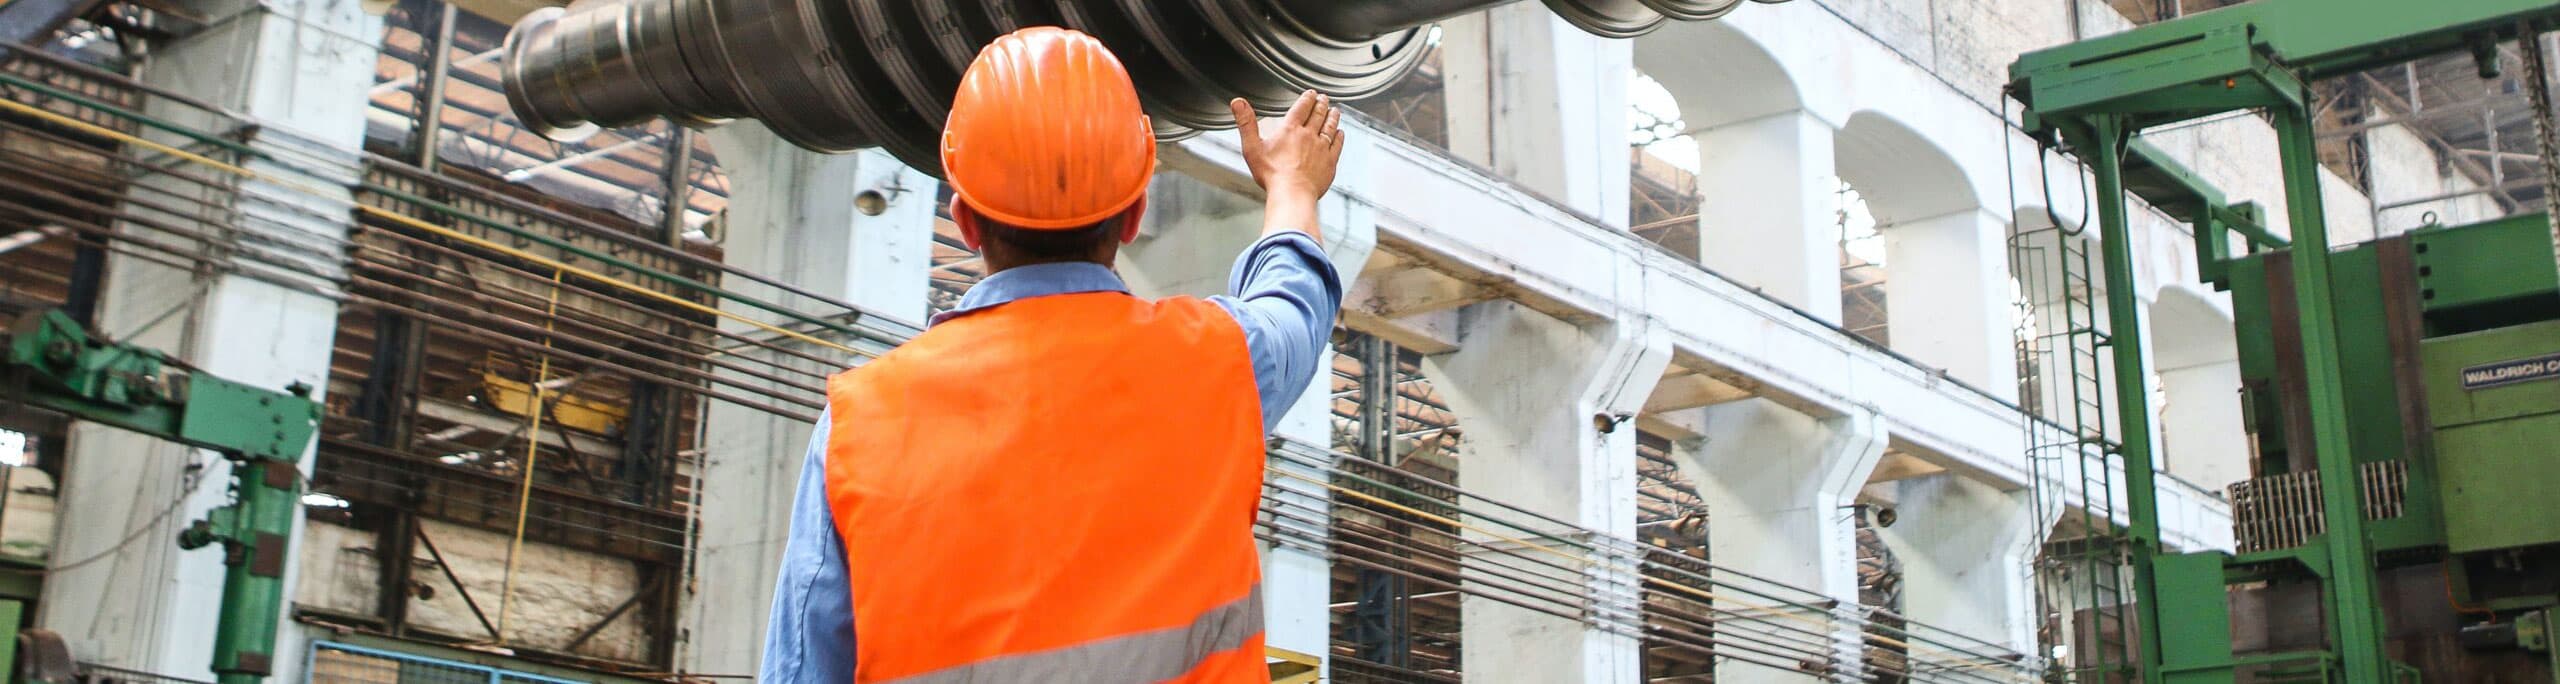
(2094, 98)
(49, 362)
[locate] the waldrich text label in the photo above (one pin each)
(2544, 367)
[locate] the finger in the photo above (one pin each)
(1247, 124)
(1302, 111)
(1333, 126)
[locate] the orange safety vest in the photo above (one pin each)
(1056, 489)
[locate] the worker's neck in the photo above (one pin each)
(1000, 259)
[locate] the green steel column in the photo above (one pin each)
(2356, 624)
(11, 612)
(2133, 396)
(253, 587)
(254, 531)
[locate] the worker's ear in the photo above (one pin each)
(1131, 221)
(967, 220)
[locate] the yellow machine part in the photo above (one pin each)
(576, 413)
(1292, 667)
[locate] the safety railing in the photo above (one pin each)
(2283, 511)
(93, 673)
(336, 663)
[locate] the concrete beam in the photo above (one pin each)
(1414, 290)
(1692, 391)
(1428, 334)
(1898, 466)
(1674, 426)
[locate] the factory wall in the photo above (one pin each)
(2406, 180)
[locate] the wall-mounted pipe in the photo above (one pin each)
(836, 75)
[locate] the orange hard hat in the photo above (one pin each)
(1047, 133)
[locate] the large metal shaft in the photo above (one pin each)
(836, 75)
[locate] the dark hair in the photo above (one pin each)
(1040, 246)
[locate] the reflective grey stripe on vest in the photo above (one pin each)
(1143, 657)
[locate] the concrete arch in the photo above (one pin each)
(1903, 174)
(1837, 76)
(2197, 368)
(1717, 74)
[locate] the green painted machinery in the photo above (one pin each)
(2452, 411)
(2402, 524)
(48, 362)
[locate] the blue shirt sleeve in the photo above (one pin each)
(1285, 294)
(809, 637)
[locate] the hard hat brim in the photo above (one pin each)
(953, 170)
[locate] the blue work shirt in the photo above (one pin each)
(1283, 292)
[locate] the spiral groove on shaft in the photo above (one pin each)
(836, 75)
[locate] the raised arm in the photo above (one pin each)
(1293, 159)
(1284, 290)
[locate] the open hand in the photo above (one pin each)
(1294, 158)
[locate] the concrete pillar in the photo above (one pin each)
(1778, 486)
(791, 217)
(1968, 554)
(1768, 208)
(1194, 230)
(1948, 296)
(121, 591)
(1191, 235)
(1542, 103)
(2204, 440)
(1545, 404)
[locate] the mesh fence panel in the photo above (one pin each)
(334, 663)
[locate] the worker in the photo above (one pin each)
(1057, 481)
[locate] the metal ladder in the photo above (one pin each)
(2061, 384)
